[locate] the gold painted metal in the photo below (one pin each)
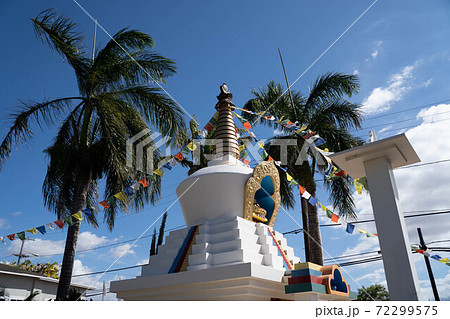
(252, 185)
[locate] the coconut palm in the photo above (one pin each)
(115, 102)
(326, 112)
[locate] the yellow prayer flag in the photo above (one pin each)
(302, 128)
(158, 172)
(241, 147)
(289, 177)
(358, 187)
(323, 207)
(281, 118)
(362, 231)
(32, 230)
(121, 196)
(261, 144)
(78, 215)
(191, 146)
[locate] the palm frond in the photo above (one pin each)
(43, 113)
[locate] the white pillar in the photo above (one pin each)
(399, 266)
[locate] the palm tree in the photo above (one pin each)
(326, 112)
(115, 102)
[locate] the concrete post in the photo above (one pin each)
(399, 267)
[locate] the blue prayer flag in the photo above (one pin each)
(312, 201)
(41, 229)
(87, 212)
(350, 228)
(168, 166)
(129, 191)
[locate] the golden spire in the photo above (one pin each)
(225, 135)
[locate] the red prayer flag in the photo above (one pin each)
(270, 158)
(245, 161)
(334, 218)
(59, 223)
(11, 237)
(144, 182)
(105, 204)
(247, 125)
(179, 156)
(302, 190)
(208, 127)
(376, 234)
(340, 173)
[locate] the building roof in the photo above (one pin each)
(14, 271)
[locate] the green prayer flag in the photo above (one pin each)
(21, 235)
(68, 220)
(293, 182)
(329, 213)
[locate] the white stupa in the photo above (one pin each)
(228, 250)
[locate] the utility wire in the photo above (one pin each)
(406, 110)
(296, 231)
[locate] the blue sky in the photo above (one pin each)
(399, 49)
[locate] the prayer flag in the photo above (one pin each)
(208, 127)
(245, 161)
(306, 195)
(32, 231)
(129, 191)
(59, 223)
(11, 237)
(144, 182)
(243, 154)
(369, 234)
(68, 220)
(78, 215)
(21, 235)
(184, 150)
(241, 147)
(87, 212)
(261, 144)
(41, 229)
(173, 162)
(158, 172)
(437, 257)
(191, 146)
(312, 201)
(264, 154)
(288, 177)
(334, 218)
(361, 231)
(3, 240)
(293, 182)
(302, 190)
(104, 204)
(270, 158)
(319, 141)
(329, 213)
(179, 156)
(136, 186)
(350, 228)
(302, 128)
(51, 226)
(247, 125)
(167, 166)
(121, 197)
(323, 207)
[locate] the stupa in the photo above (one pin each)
(229, 249)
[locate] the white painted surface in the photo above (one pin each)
(213, 192)
(395, 247)
(396, 149)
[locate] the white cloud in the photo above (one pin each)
(16, 213)
(356, 72)
(88, 240)
(381, 98)
(374, 54)
(43, 247)
(122, 250)
(3, 223)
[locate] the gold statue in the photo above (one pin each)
(259, 213)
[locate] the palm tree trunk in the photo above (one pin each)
(304, 204)
(315, 240)
(79, 201)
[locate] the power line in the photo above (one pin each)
(423, 164)
(296, 231)
(400, 121)
(110, 270)
(406, 110)
(353, 255)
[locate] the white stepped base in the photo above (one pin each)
(220, 242)
(242, 281)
